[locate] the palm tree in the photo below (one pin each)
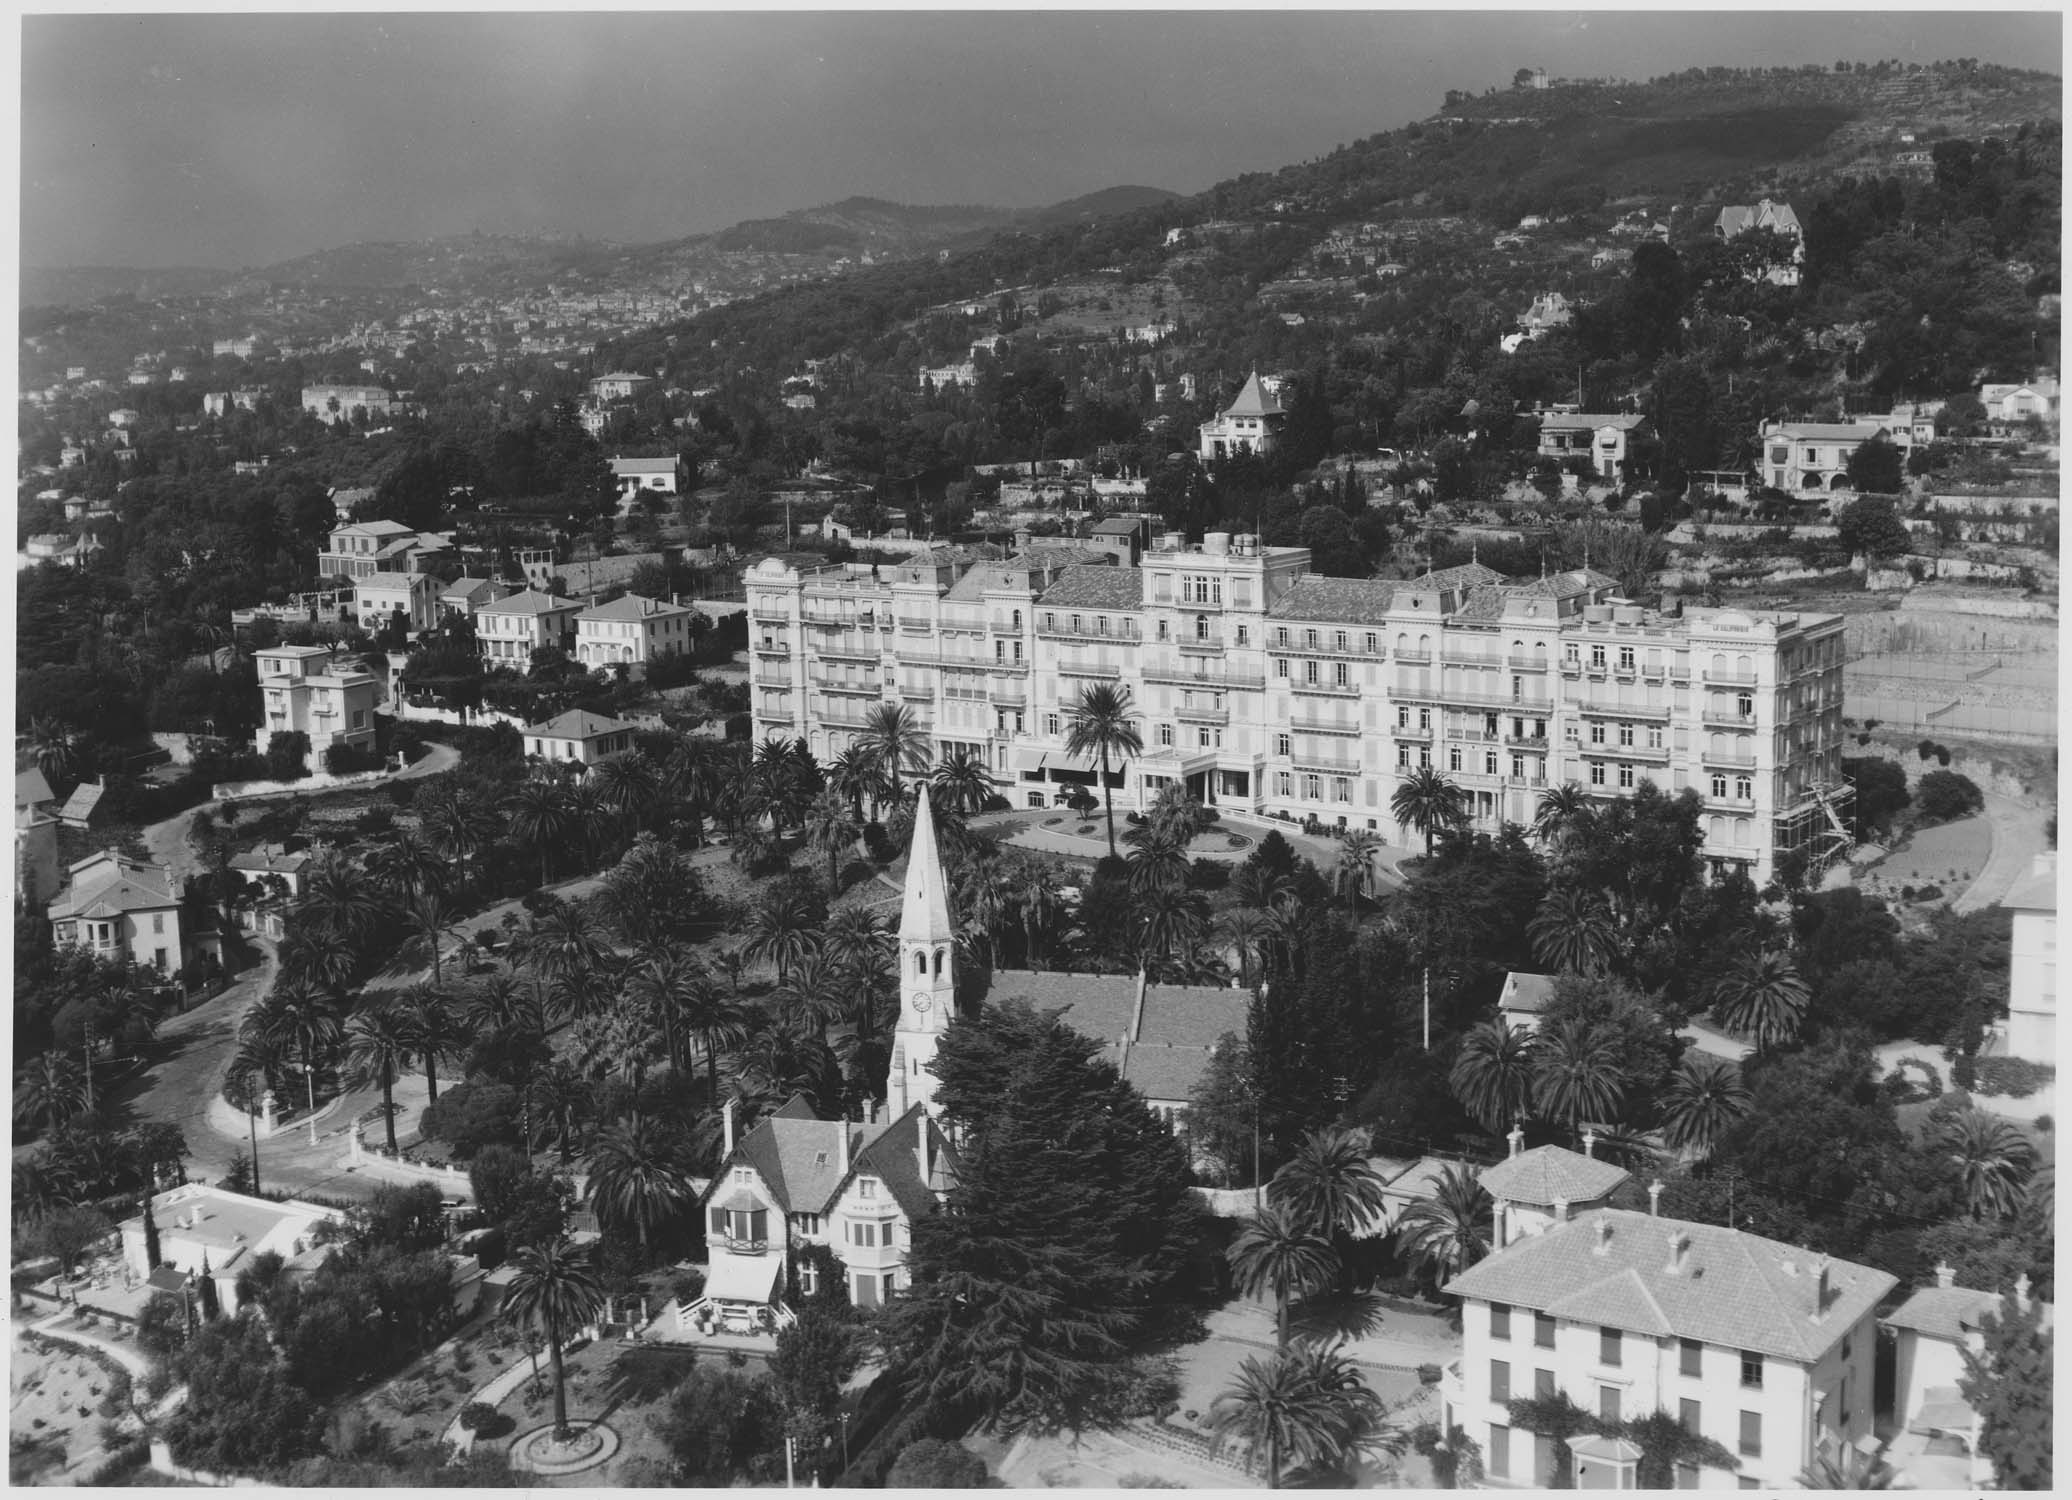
(556, 1290)
(435, 1031)
(559, 1100)
(855, 776)
(540, 817)
(1846, 1468)
(407, 866)
(1448, 1231)
(255, 1070)
(830, 827)
(1428, 802)
(49, 1090)
(1172, 921)
(1256, 886)
(961, 784)
(1280, 1255)
(781, 932)
(628, 784)
(1761, 994)
(1307, 1406)
(499, 1003)
(338, 898)
(304, 1021)
(1356, 850)
(379, 1045)
(459, 826)
(317, 955)
(55, 749)
(429, 918)
(1701, 1103)
(1033, 897)
(1576, 1073)
(562, 946)
(665, 985)
(1993, 1161)
(1572, 932)
(1103, 724)
(1492, 1074)
(1563, 811)
(637, 1176)
(1329, 1185)
(1245, 931)
(1157, 861)
(894, 739)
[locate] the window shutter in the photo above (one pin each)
(759, 1225)
(719, 1220)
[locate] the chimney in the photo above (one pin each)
(843, 1125)
(2021, 1291)
(1679, 1251)
(923, 1149)
(1822, 1285)
(1590, 1143)
(726, 1116)
(1944, 1274)
(1561, 1210)
(1604, 1234)
(1517, 1140)
(1655, 1199)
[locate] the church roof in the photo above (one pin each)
(925, 916)
(1162, 1045)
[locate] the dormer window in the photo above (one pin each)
(866, 1187)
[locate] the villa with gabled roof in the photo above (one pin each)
(1250, 424)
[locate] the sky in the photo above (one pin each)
(244, 139)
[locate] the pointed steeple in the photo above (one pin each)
(1253, 401)
(926, 915)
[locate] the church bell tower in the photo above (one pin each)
(927, 969)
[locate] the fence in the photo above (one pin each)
(322, 781)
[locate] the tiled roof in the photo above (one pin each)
(1529, 994)
(1253, 401)
(467, 588)
(577, 724)
(30, 787)
(633, 607)
(1483, 601)
(529, 602)
(1944, 1312)
(1097, 588)
(1547, 1174)
(1575, 421)
(643, 466)
(973, 585)
(386, 579)
(1117, 526)
(1734, 1289)
(2036, 890)
(893, 1157)
(107, 884)
(1828, 432)
(1555, 585)
(371, 528)
(1176, 1032)
(1342, 601)
(1464, 576)
(269, 861)
(81, 804)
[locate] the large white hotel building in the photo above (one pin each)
(1273, 691)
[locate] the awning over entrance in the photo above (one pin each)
(743, 1278)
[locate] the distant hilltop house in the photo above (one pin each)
(619, 385)
(1605, 438)
(1549, 310)
(318, 691)
(632, 475)
(221, 403)
(337, 403)
(946, 375)
(2017, 403)
(1737, 219)
(1814, 456)
(120, 909)
(1250, 424)
(234, 348)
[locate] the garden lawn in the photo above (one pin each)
(1931, 855)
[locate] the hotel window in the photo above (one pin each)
(1744, 788)
(1626, 734)
(1608, 1403)
(1373, 643)
(1280, 635)
(1500, 1321)
(809, 1277)
(1542, 1330)
(1489, 763)
(1517, 765)
(867, 1187)
(1402, 716)
(1424, 757)
(1201, 627)
(1207, 739)
(1283, 744)
(157, 922)
(1075, 625)
(1309, 673)
(1313, 788)
(1280, 666)
(1625, 658)
(1424, 718)
(1309, 639)
(863, 1233)
(1752, 1433)
(1342, 639)
(1284, 784)
(1244, 635)
(1101, 624)
(1597, 773)
(1654, 736)
(1691, 1358)
(1453, 758)
(1499, 1451)
(1403, 756)
(1165, 734)
(1719, 786)
(1626, 777)
(1752, 1371)
(1573, 653)
(1051, 724)
(807, 1223)
(1162, 628)
(1687, 1415)
(1342, 674)
(1608, 1346)
(1596, 733)
(1597, 656)
(1341, 789)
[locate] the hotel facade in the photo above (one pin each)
(1266, 689)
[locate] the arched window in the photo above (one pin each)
(1017, 619)
(1719, 665)
(921, 965)
(1424, 645)
(1201, 627)
(938, 963)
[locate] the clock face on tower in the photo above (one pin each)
(920, 1003)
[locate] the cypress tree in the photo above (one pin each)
(153, 1259)
(211, 1309)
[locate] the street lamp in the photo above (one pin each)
(309, 1075)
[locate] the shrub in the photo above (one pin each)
(2011, 1077)
(936, 1464)
(1923, 893)
(1943, 796)
(477, 1415)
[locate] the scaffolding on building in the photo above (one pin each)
(1821, 823)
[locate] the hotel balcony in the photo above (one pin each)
(1730, 717)
(1109, 670)
(1737, 679)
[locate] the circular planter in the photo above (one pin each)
(589, 1444)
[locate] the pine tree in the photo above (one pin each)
(2008, 1383)
(1070, 1222)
